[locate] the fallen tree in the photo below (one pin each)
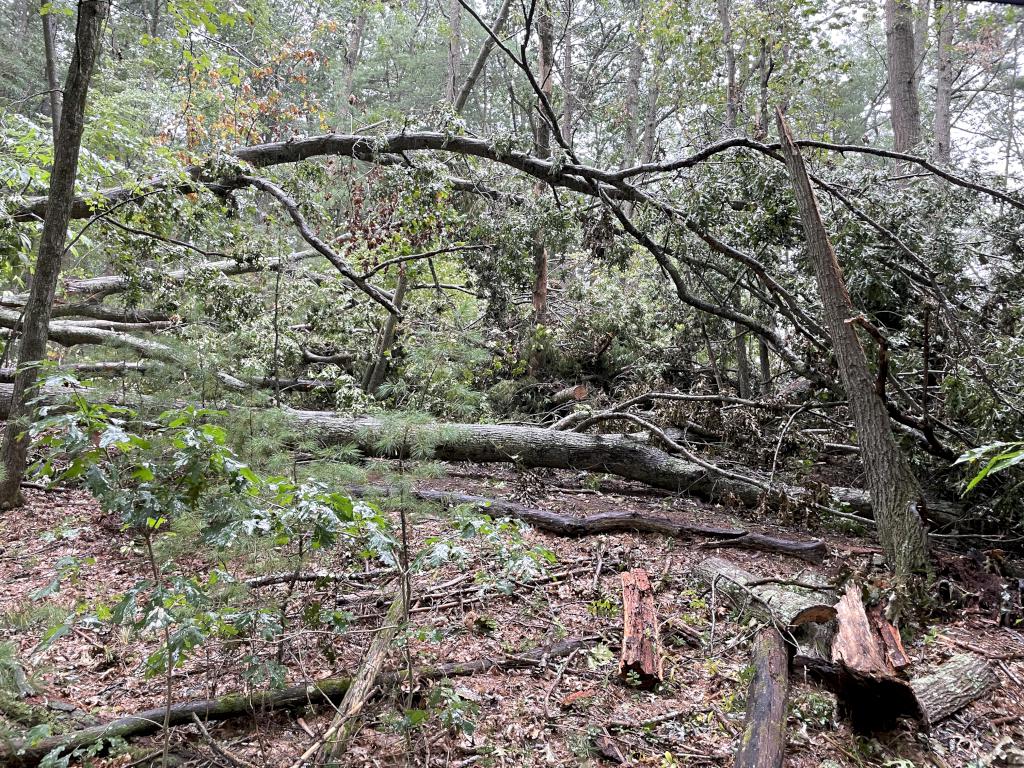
(763, 744)
(616, 521)
(24, 753)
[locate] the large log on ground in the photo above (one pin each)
(624, 521)
(23, 753)
(626, 456)
(641, 658)
(763, 744)
(952, 686)
(779, 605)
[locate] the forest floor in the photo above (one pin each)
(479, 608)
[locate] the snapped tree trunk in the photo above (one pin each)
(481, 58)
(891, 482)
(376, 374)
(35, 330)
(904, 106)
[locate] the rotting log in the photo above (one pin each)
(776, 604)
(24, 753)
(952, 686)
(618, 521)
(763, 744)
(641, 658)
(856, 645)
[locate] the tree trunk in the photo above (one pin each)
(650, 136)
(481, 58)
(634, 67)
(376, 374)
(454, 51)
(731, 103)
(568, 87)
(742, 363)
(944, 21)
(764, 358)
(641, 658)
(891, 482)
(545, 65)
(763, 744)
(51, 71)
(952, 686)
(775, 604)
(353, 50)
(905, 109)
(32, 349)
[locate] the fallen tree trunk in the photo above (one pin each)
(952, 686)
(763, 744)
(623, 521)
(773, 603)
(23, 753)
(619, 454)
(641, 647)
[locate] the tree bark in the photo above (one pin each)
(568, 86)
(894, 490)
(353, 50)
(952, 686)
(51, 71)
(631, 108)
(731, 96)
(641, 658)
(905, 108)
(32, 349)
(616, 521)
(944, 22)
(376, 374)
(545, 67)
(776, 604)
(481, 58)
(763, 744)
(454, 51)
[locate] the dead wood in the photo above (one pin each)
(618, 521)
(763, 744)
(23, 753)
(641, 657)
(856, 645)
(572, 394)
(952, 686)
(773, 603)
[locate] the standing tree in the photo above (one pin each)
(38, 309)
(891, 482)
(904, 106)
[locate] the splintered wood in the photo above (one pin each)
(641, 660)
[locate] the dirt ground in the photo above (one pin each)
(555, 714)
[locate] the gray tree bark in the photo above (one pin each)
(944, 21)
(32, 350)
(904, 106)
(454, 51)
(891, 482)
(481, 58)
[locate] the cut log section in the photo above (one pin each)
(773, 603)
(763, 744)
(617, 521)
(641, 661)
(569, 395)
(952, 686)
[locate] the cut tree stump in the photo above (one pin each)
(952, 686)
(763, 744)
(641, 658)
(773, 603)
(624, 521)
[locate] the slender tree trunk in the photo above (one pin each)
(481, 58)
(454, 50)
(379, 370)
(905, 109)
(569, 96)
(154, 18)
(51, 71)
(650, 137)
(766, 367)
(944, 20)
(731, 96)
(633, 72)
(742, 362)
(32, 349)
(545, 65)
(891, 482)
(353, 50)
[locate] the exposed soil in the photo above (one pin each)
(545, 716)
